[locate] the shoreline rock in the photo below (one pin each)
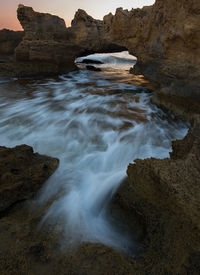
(90, 61)
(165, 194)
(165, 38)
(50, 48)
(92, 68)
(166, 43)
(22, 173)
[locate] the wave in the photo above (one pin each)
(111, 61)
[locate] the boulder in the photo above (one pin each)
(22, 173)
(91, 61)
(92, 68)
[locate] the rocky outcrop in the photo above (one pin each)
(165, 38)
(22, 173)
(165, 194)
(9, 40)
(48, 47)
(90, 34)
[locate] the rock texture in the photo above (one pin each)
(22, 173)
(165, 38)
(165, 193)
(48, 47)
(9, 40)
(27, 248)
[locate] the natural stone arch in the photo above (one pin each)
(166, 43)
(48, 43)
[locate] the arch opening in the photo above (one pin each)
(106, 61)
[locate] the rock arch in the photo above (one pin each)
(164, 37)
(48, 43)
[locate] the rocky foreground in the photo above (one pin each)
(163, 194)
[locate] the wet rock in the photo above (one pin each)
(165, 194)
(22, 173)
(97, 259)
(91, 61)
(29, 248)
(181, 106)
(93, 68)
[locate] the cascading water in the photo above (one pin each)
(96, 124)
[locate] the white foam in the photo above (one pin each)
(86, 131)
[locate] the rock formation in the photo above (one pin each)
(165, 38)
(22, 173)
(45, 38)
(48, 47)
(165, 193)
(9, 40)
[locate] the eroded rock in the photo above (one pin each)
(22, 173)
(48, 43)
(9, 40)
(165, 38)
(165, 194)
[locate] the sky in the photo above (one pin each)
(64, 8)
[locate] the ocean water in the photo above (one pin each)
(96, 123)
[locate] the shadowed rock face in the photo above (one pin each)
(47, 41)
(46, 45)
(22, 173)
(166, 194)
(165, 38)
(39, 25)
(9, 40)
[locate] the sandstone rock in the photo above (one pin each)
(22, 173)
(89, 33)
(40, 26)
(9, 40)
(165, 38)
(165, 194)
(48, 41)
(28, 248)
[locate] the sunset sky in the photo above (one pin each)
(64, 8)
